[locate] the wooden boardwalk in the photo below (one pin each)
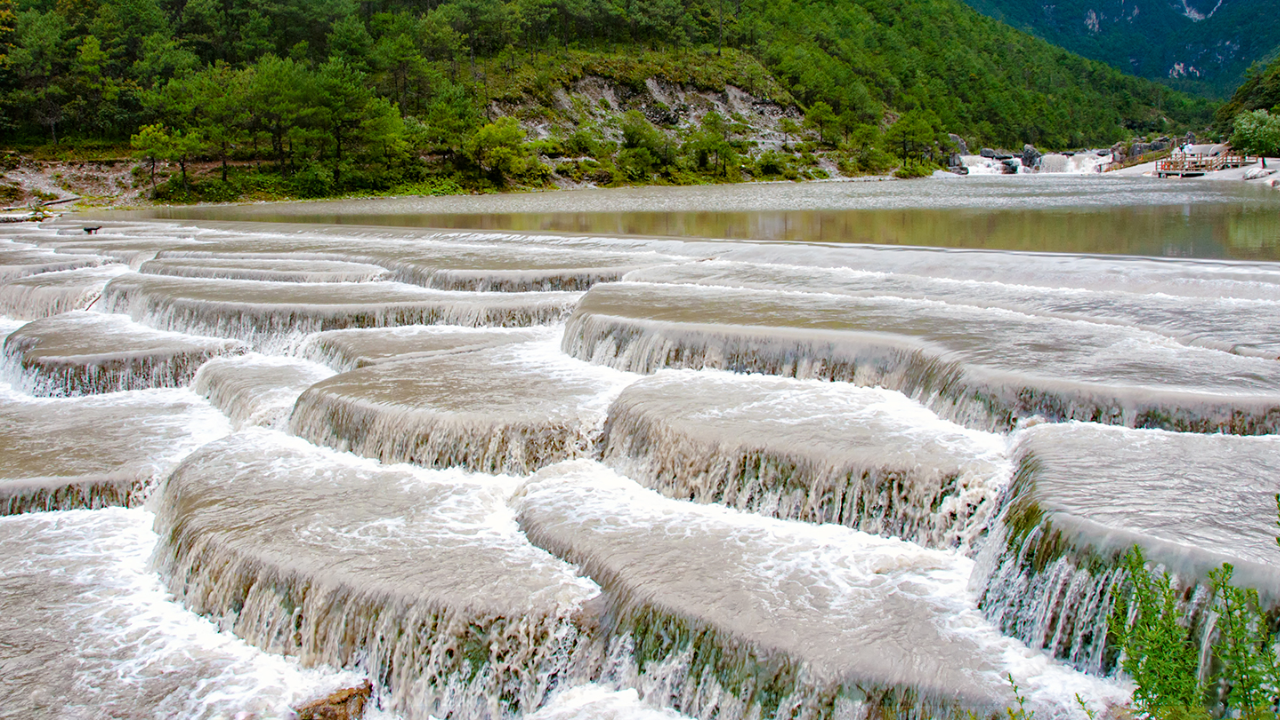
(1182, 165)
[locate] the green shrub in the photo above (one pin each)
(918, 170)
(312, 181)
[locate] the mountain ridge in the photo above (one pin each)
(1199, 46)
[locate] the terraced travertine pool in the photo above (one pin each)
(246, 460)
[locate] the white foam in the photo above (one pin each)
(127, 648)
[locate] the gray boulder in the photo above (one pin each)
(1030, 155)
(962, 148)
(988, 153)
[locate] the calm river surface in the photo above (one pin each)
(837, 450)
(1069, 214)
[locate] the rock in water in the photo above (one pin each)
(345, 704)
(1029, 156)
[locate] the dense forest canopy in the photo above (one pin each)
(396, 79)
(1259, 91)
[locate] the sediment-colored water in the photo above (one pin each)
(547, 475)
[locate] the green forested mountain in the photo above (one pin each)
(1259, 91)
(1202, 46)
(383, 84)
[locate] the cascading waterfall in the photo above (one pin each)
(817, 452)
(82, 353)
(269, 270)
(256, 390)
(27, 495)
(681, 500)
(509, 409)
(957, 367)
(569, 280)
(355, 565)
(49, 294)
(97, 450)
(345, 350)
(723, 613)
(1084, 494)
(277, 316)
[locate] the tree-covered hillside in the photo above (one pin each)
(1202, 46)
(336, 87)
(1259, 91)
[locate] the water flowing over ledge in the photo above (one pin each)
(132, 250)
(89, 631)
(420, 579)
(19, 260)
(267, 269)
(48, 294)
(820, 452)
(984, 369)
(275, 316)
(424, 581)
(1084, 494)
(257, 390)
(733, 615)
(1240, 317)
(345, 350)
(84, 353)
(509, 409)
(95, 451)
(442, 261)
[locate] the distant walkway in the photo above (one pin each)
(1183, 165)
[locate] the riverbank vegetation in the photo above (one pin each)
(319, 98)
(1163, 637)
(1251, 118)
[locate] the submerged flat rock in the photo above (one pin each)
(984, 367)
(421, 577)
(802, 449)
(1142, 293)
(459, 261)
(19, 261)
(257, 390)
(80, 353)
(452, 266)
(351, 349)
(38, 296)
(90, 632)
(757, 614)
(132, 250)
(508, 409)
(98, 450)
(270, 269)
(1087, 493)
(1157, 485)
(268, 314)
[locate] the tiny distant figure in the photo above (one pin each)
(92, 230)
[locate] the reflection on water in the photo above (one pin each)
(1132, 216)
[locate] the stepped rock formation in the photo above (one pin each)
(82, 353)
(95, 451)
(819, 452)
(1086, 493)
(510, 409)
(421, 578)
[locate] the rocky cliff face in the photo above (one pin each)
(1199, 45)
